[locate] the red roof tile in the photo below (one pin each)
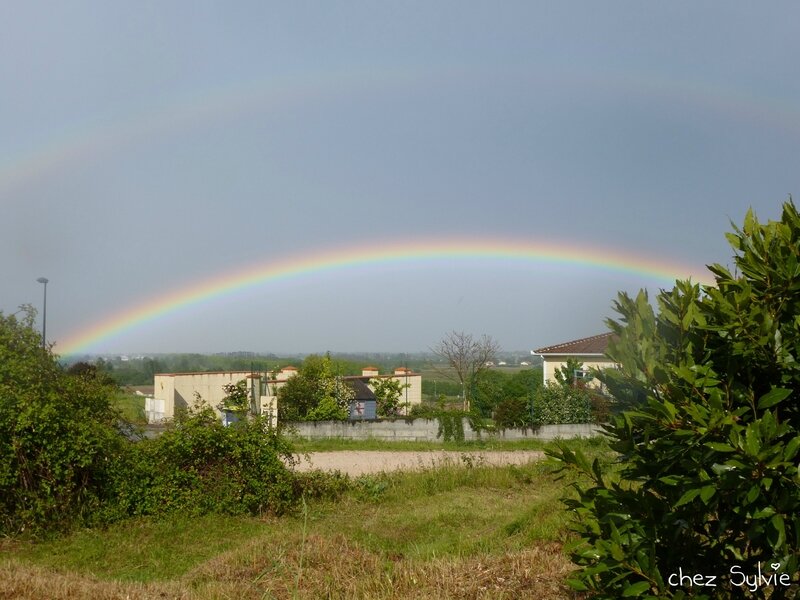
(596, 344)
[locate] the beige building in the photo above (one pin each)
(189, 390)
(176, 391)
(590, 352)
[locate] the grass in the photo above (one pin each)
(131, 406)
(450, 532)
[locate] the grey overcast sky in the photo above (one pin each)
(149, 147)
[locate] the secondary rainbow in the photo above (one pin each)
(423, 252)
(188, 109)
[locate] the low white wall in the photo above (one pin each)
(425, 430)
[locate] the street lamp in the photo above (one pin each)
(44, 312)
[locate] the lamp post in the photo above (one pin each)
(44, 280)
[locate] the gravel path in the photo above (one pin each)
(359, 462)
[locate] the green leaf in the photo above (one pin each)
(752, 441)
(720, 447)
(636, 589)
(687, 497)
(720, 469)
(577, 585)
(791, 448)
(707, 492)
(779, 528)
(773, 397)
(765, 512)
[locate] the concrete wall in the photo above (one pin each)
(425, 430)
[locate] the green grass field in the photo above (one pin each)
(450, 532)
(131, 406)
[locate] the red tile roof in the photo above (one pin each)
(596, 344)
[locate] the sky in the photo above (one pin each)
(309, 176)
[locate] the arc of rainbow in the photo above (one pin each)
(87, 141)
(371, 255)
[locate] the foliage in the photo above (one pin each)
(316, 390)
(423, 411)
(566, 374)
(451, 425)
(513, 412)
(555, 404)
(64, 462)
(200, 466)
(130, 407)
(467, 356)
(58, 434)
(709, 478)
(494, 387)
(237, 398)
(388, 392)
(488, 391)
(327, 410)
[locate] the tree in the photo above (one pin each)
(237, 398)
(710, 443)
(388, 392)
(316, 383)
(566, 375)
(468, 357)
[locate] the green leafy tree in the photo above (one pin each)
(513, 412)
(237, 398)
(566, 374)
(58, 435)
(315, 383)
(488, 390)
(388, 392)
(709, 446)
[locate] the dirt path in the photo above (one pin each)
(359, 462)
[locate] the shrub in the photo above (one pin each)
(327, 410)
(556, 403)
(709, 446)
(200, 466)
(513, 412)
(58, 435)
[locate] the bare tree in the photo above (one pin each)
(467, 356)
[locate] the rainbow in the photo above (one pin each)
(503, 251)
(88, 141)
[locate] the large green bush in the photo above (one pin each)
(201, 466)
(708, 485)
(58, 435)
(66, 460)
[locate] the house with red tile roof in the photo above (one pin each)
(589, 351)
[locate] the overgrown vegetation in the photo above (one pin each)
(316, 393)
(709, 480)
(467, 532)
(67, 460)
(58, 435)
(388, 392)
(200, 466)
